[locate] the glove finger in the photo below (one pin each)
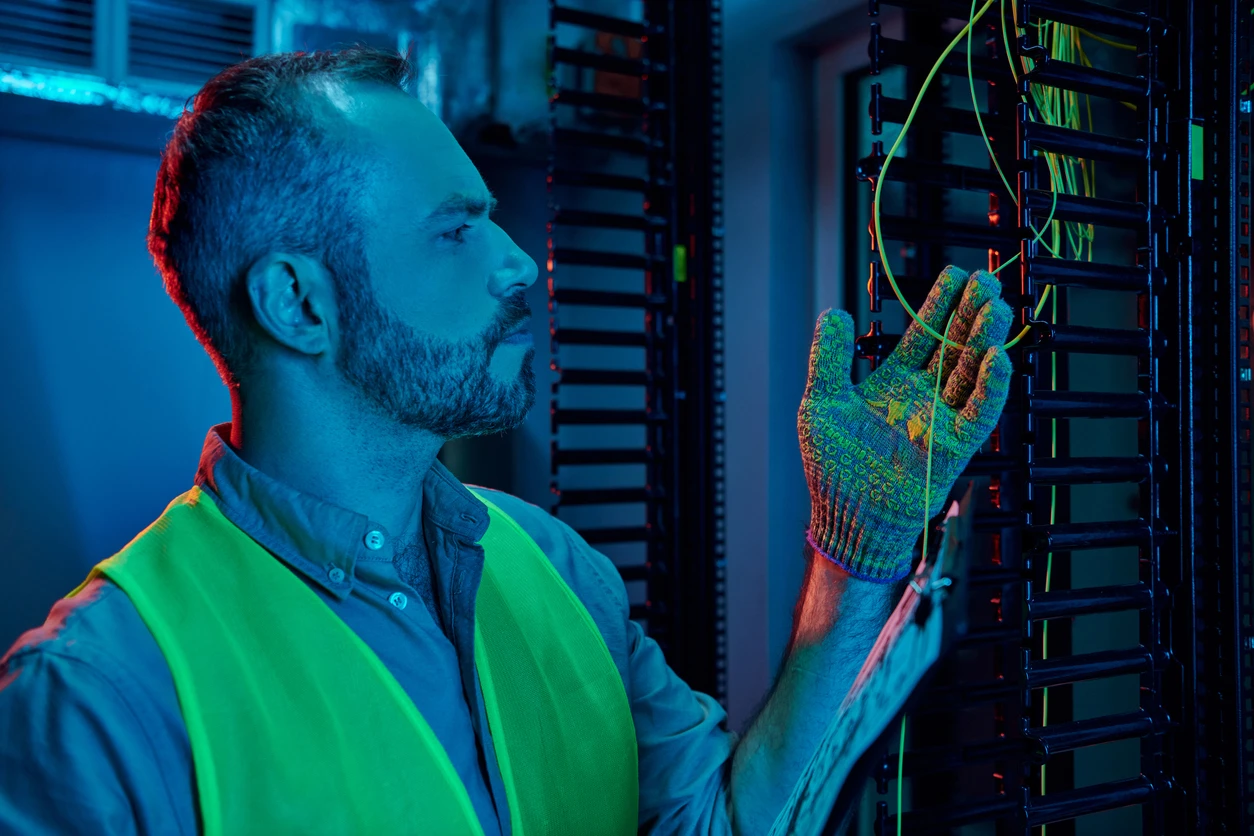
(990, 328)
(979, 416)
(917, 345)
(831, 355)
(981, 288)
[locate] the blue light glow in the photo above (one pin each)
(85, 90)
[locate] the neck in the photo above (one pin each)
(348, 456)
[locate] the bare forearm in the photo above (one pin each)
(837, 620)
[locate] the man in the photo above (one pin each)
(331, 247)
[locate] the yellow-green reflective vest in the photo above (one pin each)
(297, 727)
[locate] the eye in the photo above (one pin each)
(456, 235)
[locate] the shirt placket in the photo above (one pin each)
(467, 563)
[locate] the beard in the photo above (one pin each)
(442, 386)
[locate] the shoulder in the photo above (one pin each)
(95, 627)
(70, 662)
(92, 647)
(88, 708)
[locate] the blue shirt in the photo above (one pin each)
(92, 738)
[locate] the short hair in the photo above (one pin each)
(255, 166)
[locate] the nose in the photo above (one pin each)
(517, 268)
(527, 268)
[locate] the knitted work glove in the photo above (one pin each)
(864, 447)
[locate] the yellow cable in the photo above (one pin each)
(1051, 162)
(879, 182)
(1106, 41)
(1005, 39)
(1049, 558)
(1063, 40)
(927, 504)
(1058, 107)
(901, 753)
(975, 105)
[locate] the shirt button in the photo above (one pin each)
(336, 574)
(398, 600)
(374, 540)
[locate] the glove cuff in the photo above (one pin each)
(849, 553)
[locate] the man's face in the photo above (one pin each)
(421, 335)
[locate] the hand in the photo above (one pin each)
(865, 447)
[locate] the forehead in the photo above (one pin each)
(421, 159)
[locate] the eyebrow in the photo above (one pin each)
(458, 204)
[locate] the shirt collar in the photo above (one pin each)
(316, 538)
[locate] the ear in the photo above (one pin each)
(290, 296)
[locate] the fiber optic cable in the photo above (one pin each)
(1106, 41)
(1088, 177)
(927, 493)
(879, 182)
(1049, 557)
(1057, 107)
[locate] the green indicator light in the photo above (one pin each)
(1199, 157)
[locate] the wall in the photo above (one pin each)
(107, 397)
(770, 168)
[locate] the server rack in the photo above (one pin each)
(636, 126)
(1188, 159)
(1189, 214)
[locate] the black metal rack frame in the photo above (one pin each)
(651, 125)
(1189, 159)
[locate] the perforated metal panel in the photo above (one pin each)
(635, 297)
(1174, 147)
(59, 33)
(187, 40)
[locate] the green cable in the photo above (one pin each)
(1006, 41)
(927, 503)
(879, 182)
(1049, 103)
(927, 479)
(901, 757)
(1054, 177)
(1044, 97)
(975, 106)
(1115, 44)
(1063, 49)
(1049, 557)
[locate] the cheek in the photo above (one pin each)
(439, 290)
(451, 307)
(410, 283)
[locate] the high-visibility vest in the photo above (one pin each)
(296, 727)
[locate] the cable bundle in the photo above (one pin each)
(1070, 175)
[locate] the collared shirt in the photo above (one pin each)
(92, 738)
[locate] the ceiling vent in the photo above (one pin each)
(151, 55)
(58, 33)
(187, 41)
